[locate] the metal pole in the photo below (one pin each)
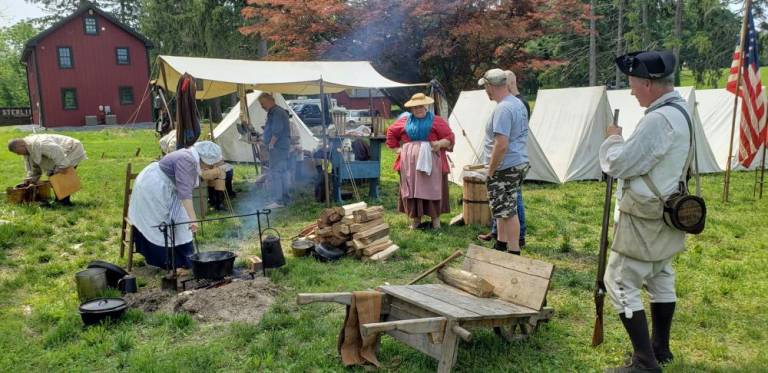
(727, 178)
(323, 108)
(247, 116)
(762, 164)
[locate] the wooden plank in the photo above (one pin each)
(410, 326)
(420, 342)
(486, 306)
(348, 220)
(350, 208)
(511, 286)
(377, 246)
(449, 350)
(516, 263)
(467, 281)
(359, 227)
(383, 255)
(372, 234)
(427, 302)
(364, 215)
(307, 298)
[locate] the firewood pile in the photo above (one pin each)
(359, 228)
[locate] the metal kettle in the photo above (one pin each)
(271, 250)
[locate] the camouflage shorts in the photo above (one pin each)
(503, 188)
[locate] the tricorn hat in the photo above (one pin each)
(648, 65)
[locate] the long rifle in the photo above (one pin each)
(597, 334)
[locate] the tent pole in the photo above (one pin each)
(165, 87)
(323, 108)
(244, 106)
(727, 178)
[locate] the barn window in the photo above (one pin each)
(69, 98)
(90, 26)
(123, 56)
(65, 57)
(126, 95)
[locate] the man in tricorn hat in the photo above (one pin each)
(653, 157)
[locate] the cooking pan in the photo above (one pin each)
(212, 265)
(99, 309)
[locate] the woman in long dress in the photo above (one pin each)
(422, 139)
(162, 193)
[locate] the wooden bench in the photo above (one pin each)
(433, 318)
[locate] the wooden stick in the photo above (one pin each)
(414, 326)
(307, 298)
(442, 264)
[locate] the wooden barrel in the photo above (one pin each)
(476, 208)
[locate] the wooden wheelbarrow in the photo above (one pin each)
(433, 318)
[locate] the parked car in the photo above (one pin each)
(358, 117)
(309, 114)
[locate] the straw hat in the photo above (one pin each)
(419, 99)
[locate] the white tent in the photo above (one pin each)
(468, 120)
(716, 111)
(630, 113)
(570, 125)
(219, 77)
(227, 136)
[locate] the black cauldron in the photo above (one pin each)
(212, 265)
(271, 251)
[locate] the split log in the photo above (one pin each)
(372, 234)
(382, 255)
(339, 229)
(360, 245)
(307, 230)
(377, 246)
(348, 220)
(467, 281)
(324, 232)
(359, 227)
(366, 215)
(349, 209)
(457, 220)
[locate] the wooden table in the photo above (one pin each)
(433, 318)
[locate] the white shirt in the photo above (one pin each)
(658, 147)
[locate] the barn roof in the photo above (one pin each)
(84, 7)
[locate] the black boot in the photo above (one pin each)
(500, 245)
(661, 314)
(642, 358)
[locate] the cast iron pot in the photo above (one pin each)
(96, 310)
(212, 265)
(327, 253)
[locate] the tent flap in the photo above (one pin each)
(219, 77)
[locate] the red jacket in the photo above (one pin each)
(396, 136)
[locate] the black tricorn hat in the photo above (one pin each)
(648, 65)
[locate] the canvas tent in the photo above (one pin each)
(468, 120)
(219, 77)
(227, 136)
(716, 110)
(630, 113)
(570, 125)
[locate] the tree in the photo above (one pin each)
(13, 77)
(127, 11)
(454, 41)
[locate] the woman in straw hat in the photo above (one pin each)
(421, 139)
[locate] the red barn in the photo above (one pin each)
(86, 60)
(358, 99)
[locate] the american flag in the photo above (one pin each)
(752, 132)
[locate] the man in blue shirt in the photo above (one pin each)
(506, 154)
(277, 138)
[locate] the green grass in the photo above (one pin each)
(722, 284)
(686, 79)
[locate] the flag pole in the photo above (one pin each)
(762, 163)
(727, 178)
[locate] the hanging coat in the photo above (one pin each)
(187, 119)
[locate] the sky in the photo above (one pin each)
(12, 11)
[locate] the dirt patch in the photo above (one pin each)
(240, 300)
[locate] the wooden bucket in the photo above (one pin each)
(476, 208)
(30, 193)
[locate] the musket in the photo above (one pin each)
(597, 334)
